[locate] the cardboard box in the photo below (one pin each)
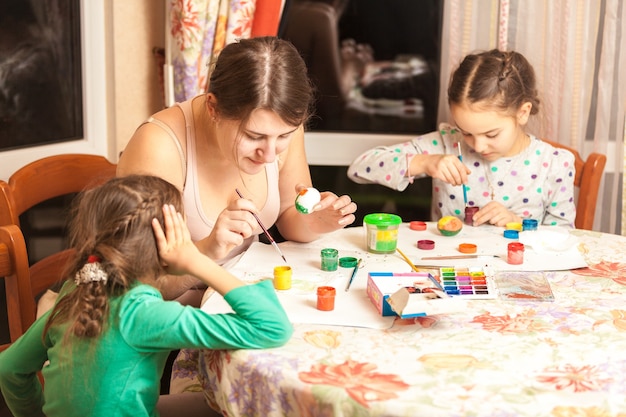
(408, 290)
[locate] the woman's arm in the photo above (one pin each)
(153, 151)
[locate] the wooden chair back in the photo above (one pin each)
(41, 180)
(20, 301)
(588, 177)
(50, 177)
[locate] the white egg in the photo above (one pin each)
(307, 199)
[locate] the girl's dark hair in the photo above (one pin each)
(114, 223)
(494, 79)
(261, 73)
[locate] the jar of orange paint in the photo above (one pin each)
(326, 298)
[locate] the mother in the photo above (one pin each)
(246, 132)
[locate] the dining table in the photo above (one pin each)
(558, 354)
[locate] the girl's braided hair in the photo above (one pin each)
(112, 222)
(495, 80)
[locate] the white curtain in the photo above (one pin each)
(578, 49)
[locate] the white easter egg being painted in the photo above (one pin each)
(307, 199)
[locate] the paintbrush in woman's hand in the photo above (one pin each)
(271, 239)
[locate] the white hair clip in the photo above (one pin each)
(91, 272)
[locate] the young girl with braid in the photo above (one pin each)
(110, 332)
(508, 173)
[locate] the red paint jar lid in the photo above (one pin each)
(417, 225)
(425, 244)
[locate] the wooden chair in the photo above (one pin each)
(20, 301)
(41, 180)
(587, 180)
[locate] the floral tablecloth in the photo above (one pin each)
(497, 358)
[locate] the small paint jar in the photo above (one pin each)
(515, 253)
(326, 298)
(282, 277)
(381, 232)
(529, 224)
(469, 215)
(329, 259)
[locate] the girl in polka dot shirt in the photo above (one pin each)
(507, 173)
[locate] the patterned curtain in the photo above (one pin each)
(198, 29)
(578, 51)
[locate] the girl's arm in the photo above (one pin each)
(179, 255)
(19, 365)
(260, 320)
(387, 165)
(331, 214)
(395, 166)
(561, 208)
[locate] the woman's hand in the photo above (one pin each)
(496, 214)
(331, 213)
(234, 224)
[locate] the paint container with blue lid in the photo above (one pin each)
(529, 224)
(511, 234)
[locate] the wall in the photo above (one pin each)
(137, 26)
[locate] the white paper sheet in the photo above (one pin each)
(547, 249)
(352, 308)
(544, 252)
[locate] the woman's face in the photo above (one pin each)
(262, 138)
(490, 133)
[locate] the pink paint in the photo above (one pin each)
(515, 253)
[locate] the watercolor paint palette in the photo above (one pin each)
(467, 282)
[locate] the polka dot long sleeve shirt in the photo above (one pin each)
(538, 183)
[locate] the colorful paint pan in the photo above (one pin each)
(467, 282)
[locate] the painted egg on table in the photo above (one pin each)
(307, 199)
(449, 225)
